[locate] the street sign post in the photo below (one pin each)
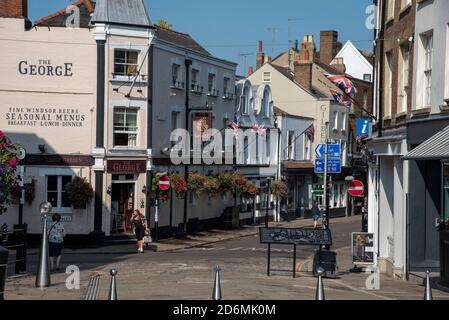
(333, 151)
(164, 183)
(333, 166)
(356, 188)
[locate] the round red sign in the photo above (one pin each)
(164, 183)
(356, 188)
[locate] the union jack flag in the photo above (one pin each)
(259, 129)
(343, 83)
(234, 126)
(339, 98)
(310, 132)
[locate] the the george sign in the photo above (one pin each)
(333, 166)
(126, 166)
(362, 244)
(363, 127)
(356, 188)
(333, 151)
(295, 236)
(58, 160)
(164, 183)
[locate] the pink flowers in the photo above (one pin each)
(13, 162)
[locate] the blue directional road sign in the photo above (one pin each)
(333, 151)
(362, 127)
(333, 166)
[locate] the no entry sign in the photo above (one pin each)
(356, 188)
(164, 183)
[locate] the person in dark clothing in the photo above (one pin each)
(140, 225)
(315, 213)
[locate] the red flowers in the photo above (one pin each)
(13, 162)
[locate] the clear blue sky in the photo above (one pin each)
(233, 27)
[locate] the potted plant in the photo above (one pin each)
(80, 192)
(179, 185)
(196, 183)
(8, 165)
(280, 189)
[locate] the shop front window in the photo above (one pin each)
(56, 191)
(446, 192)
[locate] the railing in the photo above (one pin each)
(196, 88)
(16, 240)
(178, 84)
(228, 96)
(213, 93)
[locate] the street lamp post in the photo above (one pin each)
(43, 272)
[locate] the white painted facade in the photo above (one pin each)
(357, 65)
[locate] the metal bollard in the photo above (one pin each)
(3, 269)
(113, 287)
(428, 291)
(216, 294)
(43, 272)
(320, 288)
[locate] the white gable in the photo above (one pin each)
(356, 64)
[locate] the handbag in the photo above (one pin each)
(147, 237)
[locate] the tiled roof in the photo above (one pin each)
(122, 12)
(59, 18)
(180, 39)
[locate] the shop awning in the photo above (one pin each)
(436, 148)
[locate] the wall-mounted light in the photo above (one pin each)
(109, 190)
(144, 189)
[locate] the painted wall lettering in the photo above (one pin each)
(45, 68)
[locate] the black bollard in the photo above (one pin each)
(3, 267)
(319, 287)
(428, 291)
(113, 287)
(216, 294)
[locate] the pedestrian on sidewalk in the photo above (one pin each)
(56, 236)
(140, 225)
(315, 213)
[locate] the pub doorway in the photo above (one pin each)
(122, 206)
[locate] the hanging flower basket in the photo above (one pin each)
(212, 186)
(280, 189)
(238, 181)
(249, 190)
(30, 191)
(197, 183)
(8, 165)
(226, 183)
(80, 192)
(179, 185)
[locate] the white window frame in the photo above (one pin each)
(59, 191)
(389, 84)
(335, 117)
(114, 131)
(266, 77)
(212, 87)
(365, 75)
(126, 64)
(427, 42)
(307, 146)
(391, 8)
(290, 146)
(344, 120)
(176, 82)
(405, 73)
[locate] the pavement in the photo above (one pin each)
(183, 270)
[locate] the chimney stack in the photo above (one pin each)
(267, 59)
(303, 73)
(308, 49)
(329, 46)
(250, 71)
(14, 8)
(339, 65)
(260, 56)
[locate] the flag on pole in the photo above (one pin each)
(234, 126)
(310, 132)
(343, 83)
(338, 97)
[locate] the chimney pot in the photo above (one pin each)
(250, 71)
(329, 46)
(260, 46)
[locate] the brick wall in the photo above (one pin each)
(14, 8)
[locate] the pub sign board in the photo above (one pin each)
(289, 236)
(362, 248)
(126, 166)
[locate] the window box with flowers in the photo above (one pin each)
(80, 193)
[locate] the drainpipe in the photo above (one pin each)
(149, 178)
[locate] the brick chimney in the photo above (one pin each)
(303, 73)
(329, 46)
(260, 56)
(308, 49)
(339, 65)
(14, 8)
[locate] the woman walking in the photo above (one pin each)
(140, 225)
(56, 236)
(315, 213)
